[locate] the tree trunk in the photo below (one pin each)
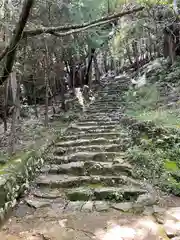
(15, 39)
(105, 62)
(12, 139)
(135, 54)
(35, 99)
(129, 54)
(46, 84)
(87, 77)
(96, 68)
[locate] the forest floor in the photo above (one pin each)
(65, 203)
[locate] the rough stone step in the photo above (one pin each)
(89, 168)
(107, 97)
(88, 156)
(85, 142)
(92, 117)
(94, 148)
(40, 200)
(102, 116)
(109, 91)
(93, 127)
(102, 108)
(118, 194)
(67, 181)
(90, 130)
(106, 101)
(95, 123)
(47, 193)
(97, 118)
(106, 110)
(99, 110)
(94, 135)
(86, 131)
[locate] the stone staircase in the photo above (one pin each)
(87, 167)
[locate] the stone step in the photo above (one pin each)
(115, 157)
(93, 127)
(76, 131)
(116, 194)
(94, 148)
(99, 110)
(106, 108)
(68, 181)
(95, 123)
(85, 142)
(43, 199)
(95, 117)
(114, 100)
(89, 168)
(108, 91)
(102, 108)
(90, 130)
(94, 135)
(106, 102)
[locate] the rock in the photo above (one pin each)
(61, 180)
(37, 203)
(88, 206)
(172, 228)
(159, 214)
(22, 210)
(46, 193)
(148, 210)
(74, 206)
(82, 194)
(172, 222)
(146, 199)
(101, 206)
(173, 213)
(125, 206)
(158, 209)
(176, 238)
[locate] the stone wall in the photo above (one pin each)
(16, 175)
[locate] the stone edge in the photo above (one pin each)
(15, 177)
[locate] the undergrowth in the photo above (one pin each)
(159, 99)
(158, 160)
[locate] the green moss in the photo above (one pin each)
(95, 185)
(171, 165)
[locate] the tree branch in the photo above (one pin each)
(63, 34)
(11, 51)
(69, 29)
(4, 52)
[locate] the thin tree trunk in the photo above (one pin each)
(12, 139)
(46, 84)
(97, 72)
(105, 62)
(129, 54)
(88, 73)
(35, 99)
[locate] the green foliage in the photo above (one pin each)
(158, 160)
(155, 2)
(151, 101)
(87, 10)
